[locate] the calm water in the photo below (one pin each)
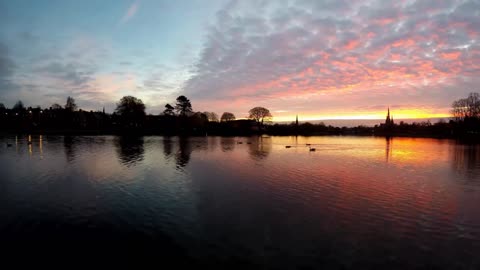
(355, 202)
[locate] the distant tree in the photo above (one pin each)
(211, 116)
(198, 120)
(71, 105)
(260, 114)
(227, 116)
(459, 109)
(195, 123)
(2, 111)
(19, 106)
(183, 106)
(169, 110)
(131, 111)
(56, 106)
(467, 107)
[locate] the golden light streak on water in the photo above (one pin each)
(40, 146)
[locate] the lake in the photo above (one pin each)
(250, 202)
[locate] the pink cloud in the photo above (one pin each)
(375, 54)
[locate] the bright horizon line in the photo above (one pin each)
(399, 116)
(289, 119)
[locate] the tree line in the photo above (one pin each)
(130, 116)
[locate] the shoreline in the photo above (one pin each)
(468, 137)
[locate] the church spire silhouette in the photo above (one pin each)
(389, 120)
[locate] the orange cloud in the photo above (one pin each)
(451, 56)
(351, 45)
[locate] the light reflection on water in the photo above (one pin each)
(355, 201)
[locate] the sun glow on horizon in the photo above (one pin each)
(379, 115)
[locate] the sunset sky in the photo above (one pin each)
(320, 59)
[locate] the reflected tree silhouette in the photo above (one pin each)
(205, 143)
(388, 148)
(466, 160)
(167, 146)
(227, 143)
(68, 146)
(260, 147)
(130, 149)
(182, 157)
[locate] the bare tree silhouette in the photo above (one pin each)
(211, 116)
(467, 107)
(260, 114)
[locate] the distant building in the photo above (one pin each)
(389, 121)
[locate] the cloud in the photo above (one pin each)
(46, 74)
(292, 56)
(85, 67)
(7, 68)
(131, 11)
(362, 51)
(6, 63)
(68, 72)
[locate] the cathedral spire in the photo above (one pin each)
(388, 121)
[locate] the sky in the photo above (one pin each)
(319, 59)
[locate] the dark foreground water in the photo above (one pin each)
(355, 202)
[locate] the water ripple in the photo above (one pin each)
(354, 201)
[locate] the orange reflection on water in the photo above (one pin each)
(383, 177)
(404, 151)
(30, 150)
(418, 151)
(350, 178)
